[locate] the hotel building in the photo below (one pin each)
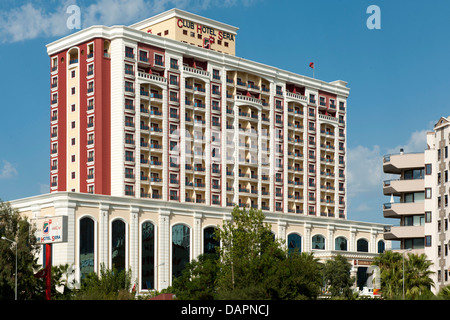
(421, 201)
(164, 109)
(158, 130)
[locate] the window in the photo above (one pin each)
(86, 249)
(148, 256)
(428, 241)
(294, 243)
(118, 245)
(362, 245)
(428, 169)
(381, 246)
(129, 53)
(180, 248)
(340, 244)
(318, 242)
(413, 174)
(209, 242)
(427, 193)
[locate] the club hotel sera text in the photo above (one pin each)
(158, 130)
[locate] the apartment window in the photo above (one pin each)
(446, 152)
(428, 241)
(428, 169)
(72, 124)
(73, 141)
(72, 74)
(427, 193)
(73, 108)
(427, 216)
(90, 70)
(73, 175)
(73, 158)
(129, 69)
(129, 52)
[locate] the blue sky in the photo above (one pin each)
(398, 75)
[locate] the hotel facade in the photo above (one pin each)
(419, 200)
(158, 130)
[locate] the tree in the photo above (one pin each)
(417, 275)
(248, 251)
(251, 264)
(198, 280)
(337, 277)
(20, 230)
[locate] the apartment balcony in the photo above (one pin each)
(395, 163)
(397, 187)
(396, 210)
(152, 78)
(403, 232)
(196, 72)
(290, 96)
(246, 100)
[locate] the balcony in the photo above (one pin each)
(296, 97)
(395, 163)
(397, 187)
(153, 78)
(395, 210)
(402, 232)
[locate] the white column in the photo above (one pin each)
(272, 134)
(197, 235)
(166, 147)
(163, 250)
(103, 236)
(330, 238)
(134, 243)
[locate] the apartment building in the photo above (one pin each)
(419, 199)
(164, 109)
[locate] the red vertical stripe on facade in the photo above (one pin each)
(62, 121)
(82, 156)
(103, 120)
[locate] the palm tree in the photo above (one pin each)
(390, 264)
(417, 275)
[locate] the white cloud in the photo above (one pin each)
(30, 21)
(417, 143)
(8, 171)
(364, 171)
(33, 20)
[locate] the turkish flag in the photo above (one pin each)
(311, 65)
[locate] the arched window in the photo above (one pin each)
(362, 245)
(180, 248)
(148, 256)
(118, 245)
(381, 246)
(209, 243)
(294, 243)
(318, 242)
(86, 250)
(340, 244)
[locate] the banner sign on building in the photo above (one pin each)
(51, 229)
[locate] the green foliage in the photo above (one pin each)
(198, 280)
(417, 281)
(110, 285)
(20, 230)
(337, 277)
(251, 264)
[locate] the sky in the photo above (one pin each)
(397, 74)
